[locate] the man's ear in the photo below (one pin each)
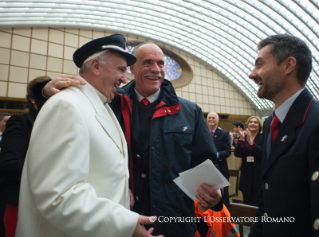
(95, 66)
(290, 65)
(132, 68)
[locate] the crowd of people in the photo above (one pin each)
(101, 159)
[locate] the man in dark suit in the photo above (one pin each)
(222, 142)
(290, 156)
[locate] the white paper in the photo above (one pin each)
(179, 183)
(206, 172)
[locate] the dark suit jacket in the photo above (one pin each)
(287, 186)
(250, 177)
(14, 148)
(222, 142)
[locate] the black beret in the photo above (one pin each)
(114, 42)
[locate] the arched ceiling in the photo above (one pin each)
(224, 33)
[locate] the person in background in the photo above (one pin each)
(231, 136)
(290, 154)
(15, 145)
(236, 134)
(249, 150)
(222, 144)
(3, 121)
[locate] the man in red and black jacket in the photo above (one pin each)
(166, 135)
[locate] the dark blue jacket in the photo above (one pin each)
(222, 143)
(290, 183)
(179, 140)
(15, 145)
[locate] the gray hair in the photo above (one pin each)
(213, 113)
(134, 52)
(85, 66)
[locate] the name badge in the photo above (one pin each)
(250, 159)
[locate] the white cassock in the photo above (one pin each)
(75, 176)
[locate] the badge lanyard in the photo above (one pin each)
(250, 158)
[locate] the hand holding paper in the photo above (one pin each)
(195, 179)
(208, 197)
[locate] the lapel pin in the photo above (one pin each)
(185, 129)
(284, 138)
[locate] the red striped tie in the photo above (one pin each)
(212, 133)
(274, 128)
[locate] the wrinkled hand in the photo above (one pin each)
(132, 201)
(140, 230)
(249, 138)
(207, 196)
(54, 86)
(241, 133)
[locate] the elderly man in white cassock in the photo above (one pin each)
(75, 177)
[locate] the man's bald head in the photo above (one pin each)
(137, 47)
(148, 70)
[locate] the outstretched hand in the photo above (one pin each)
(140, 230)
(54, 86)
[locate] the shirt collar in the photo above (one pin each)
(150, 98)
(214, 129)
(283, 109)
(102, 97)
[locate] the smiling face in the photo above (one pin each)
(253, 125)
(212, 120)
(267, 75)
(148, 70)
(111, 74)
